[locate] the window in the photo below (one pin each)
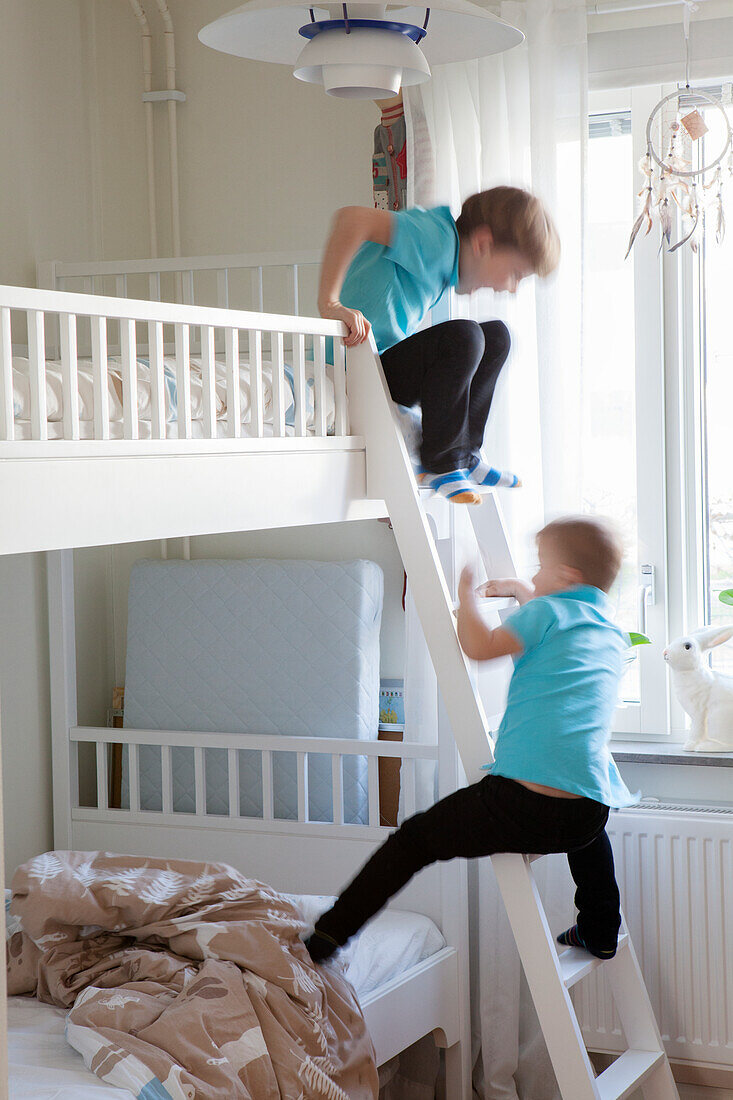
(658, 404)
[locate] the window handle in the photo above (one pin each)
(647, 593)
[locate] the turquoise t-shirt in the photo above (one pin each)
(557, 723)
(395, 286)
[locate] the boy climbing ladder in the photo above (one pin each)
(383, 272)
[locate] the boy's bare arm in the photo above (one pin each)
(477, 640)
(352, 226)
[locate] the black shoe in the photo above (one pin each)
(321, 946)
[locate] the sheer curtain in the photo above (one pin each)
(518, 118)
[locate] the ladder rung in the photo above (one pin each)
(576, 963)
(488, 605)
(627, 1072)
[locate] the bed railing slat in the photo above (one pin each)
(256, 400)
(296, 290)
(373, 781)
(233, 777)
(166, 778)
(183, 381)
(319, 385)
(134, 766)
(299, 387)
(337, 784)
(102, 777)
(199, 768)
(257, 290)
(222, 288)
(267, 800)
(234, 412)
(128, 342)
(100, 372)
(278, 387)
(69, 375)
(303, 814)
(7, 411)
(154, 286)
(157, 381)
(341, 424)
(37, 371)
(208, 381)
(187, 292)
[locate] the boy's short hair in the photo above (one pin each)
(590, 544)
(517, 219)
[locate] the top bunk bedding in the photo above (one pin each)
(22, 398)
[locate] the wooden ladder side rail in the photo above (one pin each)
(389, 478)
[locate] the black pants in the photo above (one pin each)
(494, 815)
(451, 371)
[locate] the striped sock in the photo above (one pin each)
(488, 476)
(573, 938)
(453, 485)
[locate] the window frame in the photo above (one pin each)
(671, 493)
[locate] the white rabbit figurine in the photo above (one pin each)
(705, 695)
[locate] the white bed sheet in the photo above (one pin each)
(42, 1065)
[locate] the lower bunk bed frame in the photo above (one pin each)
(81, 492)
(301, 857)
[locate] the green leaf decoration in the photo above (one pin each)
(726, 596)
(640, 639)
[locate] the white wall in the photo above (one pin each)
(24, 707)
(264, 159)
(46, 194)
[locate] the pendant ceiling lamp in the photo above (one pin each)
(365, 50)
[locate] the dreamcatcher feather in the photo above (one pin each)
(645, 215)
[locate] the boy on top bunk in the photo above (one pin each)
(384, 271)
(553, 778)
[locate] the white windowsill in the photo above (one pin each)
(660, 752)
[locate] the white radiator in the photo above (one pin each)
(674, 866)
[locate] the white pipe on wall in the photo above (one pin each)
(170, 72)
(147, 47)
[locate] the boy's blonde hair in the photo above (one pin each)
(516, 219)
(590, 544)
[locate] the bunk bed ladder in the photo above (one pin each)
(550, 975)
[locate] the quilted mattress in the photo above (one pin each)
(259, 647)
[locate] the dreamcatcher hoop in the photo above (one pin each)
(707, 100)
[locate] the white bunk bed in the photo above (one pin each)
(71, 482)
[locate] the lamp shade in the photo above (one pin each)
(367, 49)
(363, 64)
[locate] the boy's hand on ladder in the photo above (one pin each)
(506, 586)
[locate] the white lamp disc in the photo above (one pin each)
(267, 30)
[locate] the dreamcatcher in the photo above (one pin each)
(675, 178)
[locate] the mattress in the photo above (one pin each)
(54, 393)
(42, 1065)
(258, 647)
